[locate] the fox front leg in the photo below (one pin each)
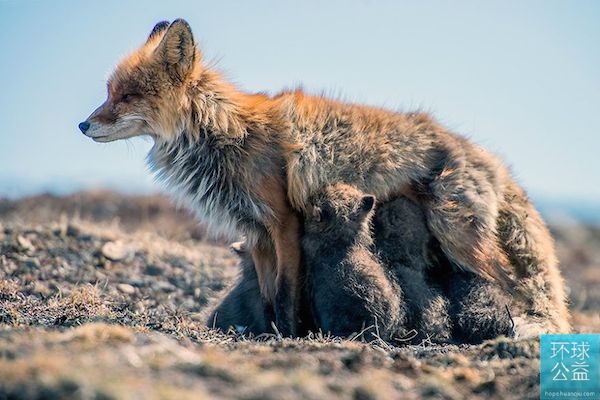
(286, 238)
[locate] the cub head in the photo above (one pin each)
(147, 90)
(340, 210)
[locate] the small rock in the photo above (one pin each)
(139, 307)
(153, 270)
(126, 288)
(115, 251)
(25, 244)
(85, 237)
(164, 286)
(73, 231)
(137, 282)
(31, 264)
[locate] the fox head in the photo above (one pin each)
(147, 90)
(340, 210)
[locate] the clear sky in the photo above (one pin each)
(522, 78)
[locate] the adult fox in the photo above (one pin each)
(247, 164)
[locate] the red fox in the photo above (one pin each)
(248, 163)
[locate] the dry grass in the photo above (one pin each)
(98, 304)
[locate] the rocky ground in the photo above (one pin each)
(104, 296)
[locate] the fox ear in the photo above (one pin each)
(158, 29)
(366, 204)
(316, 214)
(177, 49)
(239, 248)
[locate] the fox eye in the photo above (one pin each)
(126, 98)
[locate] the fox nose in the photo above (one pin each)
(84, 126)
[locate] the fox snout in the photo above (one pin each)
(109, 123)
(95, 125)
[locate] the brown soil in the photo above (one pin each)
(104, 296)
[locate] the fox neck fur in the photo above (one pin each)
(228, 144)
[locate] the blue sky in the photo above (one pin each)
(521, 78)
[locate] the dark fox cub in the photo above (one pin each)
(444, 301)
(406, 248)
(349, 290)
(242, 310)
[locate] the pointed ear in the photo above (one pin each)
(367, 203)
(177, 50)
(238, 248)
(158, 29)
(316, 214)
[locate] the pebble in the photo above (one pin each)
(126, 288)
(164, 286)
(115, 251)
(31, 263)
(137, 282)
(25, 243)
(153, 270)
(73, 231)
(139, 307)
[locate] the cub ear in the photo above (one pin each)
(239, 248)
(316, 214)
(158, 29)
(177, 50)
(366, 204)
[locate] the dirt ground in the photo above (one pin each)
(105, 297)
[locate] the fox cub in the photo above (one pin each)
(242, 310)
(350, 289)
(347, 285)
(448, 304)
(249, 163)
